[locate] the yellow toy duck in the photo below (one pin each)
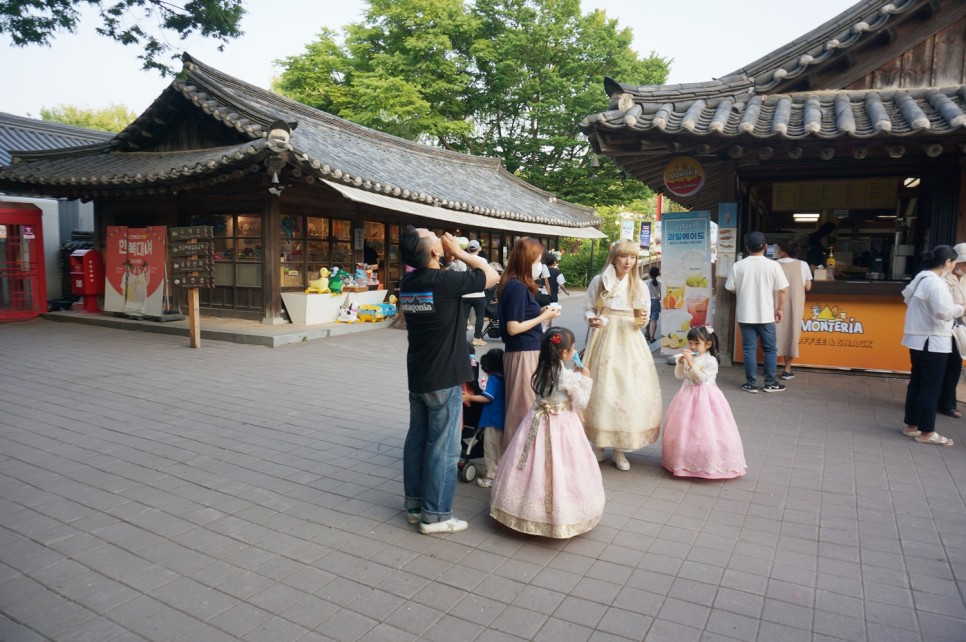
(319, 285)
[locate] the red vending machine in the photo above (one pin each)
(23, 284)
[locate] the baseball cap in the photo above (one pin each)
(473, 246)
(755, 241)
(960, 250)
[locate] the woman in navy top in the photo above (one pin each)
(521, 327)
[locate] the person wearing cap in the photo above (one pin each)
(956, 280)
(760, 285)
(475, 301)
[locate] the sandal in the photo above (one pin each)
(911, 433)
(955, 414)
(935, 439)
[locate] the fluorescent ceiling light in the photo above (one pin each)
(805, 218)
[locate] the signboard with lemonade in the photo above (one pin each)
(686, 268)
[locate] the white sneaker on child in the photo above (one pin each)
(484, 482)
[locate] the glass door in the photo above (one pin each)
(22, 286)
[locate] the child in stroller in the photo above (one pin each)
(489, 426)
(471, 438)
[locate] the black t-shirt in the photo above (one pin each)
(437, 357)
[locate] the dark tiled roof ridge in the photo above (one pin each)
(202, 81)
(856, 23)
(201, 72)
(24, 122)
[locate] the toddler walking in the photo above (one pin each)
(549, 482)
(700, 434)
(491, 419)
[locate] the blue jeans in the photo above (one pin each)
(750, 333)
(431, 452)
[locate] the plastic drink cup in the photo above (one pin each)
(697, 306)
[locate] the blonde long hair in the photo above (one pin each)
(636, 289)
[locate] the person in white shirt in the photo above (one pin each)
(475, 301)
(927, 333)
(760, 285)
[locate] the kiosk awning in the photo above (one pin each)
(462, 218)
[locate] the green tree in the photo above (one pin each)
(509, 79)
(112, 118)
(30, 22)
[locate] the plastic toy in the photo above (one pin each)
(336, 280)
(388, 309)
(371, 313)
(321, 284)
(348, 315)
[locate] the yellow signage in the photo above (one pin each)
(842, 331)
(684, 176)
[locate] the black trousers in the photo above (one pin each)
(925, 386)
(477, 303)
(947, 397)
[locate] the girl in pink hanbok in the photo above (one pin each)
(549, 482)
(700, 434)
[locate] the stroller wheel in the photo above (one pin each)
(468, 473)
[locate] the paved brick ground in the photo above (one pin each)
(151, 491)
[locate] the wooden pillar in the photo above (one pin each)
(724, 301)
(271, 265)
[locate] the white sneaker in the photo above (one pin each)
(484, 482)
(451, 525)
(414, 516)
(600, 454)
(620, 460)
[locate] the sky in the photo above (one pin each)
(705, 38)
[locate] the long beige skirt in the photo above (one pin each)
(518, 369)
(625, 405)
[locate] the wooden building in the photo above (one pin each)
(287, 188)
(859, 122)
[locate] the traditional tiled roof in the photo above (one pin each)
(737, 111)
(17, 132)
(760, 109)
(315, 144)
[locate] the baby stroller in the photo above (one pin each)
(471, 437)
(491, 328)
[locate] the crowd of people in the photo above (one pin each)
(550, 415)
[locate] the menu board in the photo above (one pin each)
(853, 194)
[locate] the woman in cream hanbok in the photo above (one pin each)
(624, 412)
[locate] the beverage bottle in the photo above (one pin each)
(830, 263)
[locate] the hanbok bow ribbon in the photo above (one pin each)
(542, 410)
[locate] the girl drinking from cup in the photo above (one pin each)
(700, 435)
(624, 412)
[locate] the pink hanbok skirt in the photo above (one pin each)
(549, 481)
(701, 437)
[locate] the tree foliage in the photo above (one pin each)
(509, 79)
(144, 23)
(112, 118)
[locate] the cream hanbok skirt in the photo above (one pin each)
(625, 405)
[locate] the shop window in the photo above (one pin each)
(310, 243)
(237, 247)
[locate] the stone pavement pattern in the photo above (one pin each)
(151, 491)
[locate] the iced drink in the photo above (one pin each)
(698, 308)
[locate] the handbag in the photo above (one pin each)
(959, 335)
